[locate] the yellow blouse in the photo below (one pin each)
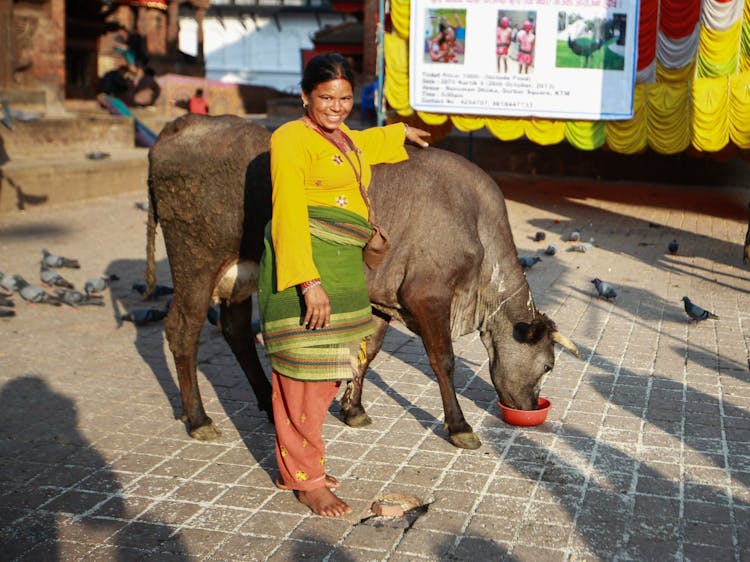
(307, 169)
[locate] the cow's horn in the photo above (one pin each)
(557, 337)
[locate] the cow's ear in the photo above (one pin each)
(523, 332)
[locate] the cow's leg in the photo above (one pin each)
(432, 316)
(183, 324)
(236, 321)
(352, 411)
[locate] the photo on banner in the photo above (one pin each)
(560, 59)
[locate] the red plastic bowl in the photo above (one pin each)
(526, 417)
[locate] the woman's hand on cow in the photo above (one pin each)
(417, 136)
(317, 308)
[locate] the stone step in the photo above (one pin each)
(25, 100)
(51, 137)
(68, 177)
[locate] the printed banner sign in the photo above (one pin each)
(560, 59)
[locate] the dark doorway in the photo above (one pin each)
(85, 23)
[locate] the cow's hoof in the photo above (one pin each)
(466, 440)
(360, 420)
(207, 432)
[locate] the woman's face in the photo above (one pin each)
(330, 103)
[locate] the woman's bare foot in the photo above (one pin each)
(331, 482)
(323, 502)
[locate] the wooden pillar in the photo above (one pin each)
(56, 58)
(369, 40)
(199, 15)
(6, 43)
(152, 28)
(142, 22)
(173, 26)
(124, 15)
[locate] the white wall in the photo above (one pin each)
(256, 52)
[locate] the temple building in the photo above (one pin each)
(57, 50)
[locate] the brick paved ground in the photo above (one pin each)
(645, 455)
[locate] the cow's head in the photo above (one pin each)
(519, 360)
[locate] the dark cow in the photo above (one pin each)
(453, 268)
(746, 254)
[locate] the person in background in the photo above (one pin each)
(444, 50)
(504, 38)
(526, 39)
(147, 89)
(368, 105)
(117, 82)
(314, 307)
(197, 103)
(445, 46)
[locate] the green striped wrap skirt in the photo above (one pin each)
(332, 353)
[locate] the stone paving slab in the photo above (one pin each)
(645, 454)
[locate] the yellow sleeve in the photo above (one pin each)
(382, 145)
(290, 230)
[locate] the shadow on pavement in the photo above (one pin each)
(650, 313)
(57, 487)
(625, 505)
(149, 339)
(215, 360)
(576, 206)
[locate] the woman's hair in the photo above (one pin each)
(326, 67)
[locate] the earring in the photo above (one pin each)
(304, 104)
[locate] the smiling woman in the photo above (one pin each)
(313, 302)
(329, 103)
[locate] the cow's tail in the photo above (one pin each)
(153, 220)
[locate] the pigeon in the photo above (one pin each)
(7, 313)
(551, 250)
(696, 313)
(77, 298)
(539, 236)
(53, 260)
(6, 115)
(32, 293)
(583, 247)
(142, 316)
(673, 246)
(604, 289)
(97, 155)
(98, 284)
(528, 261)
(158, 291)
(53, 278)
(17, 114)
(7, 302)
(8, 284)
(574, 236)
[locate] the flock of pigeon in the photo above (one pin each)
(57, 291)
(64, 292)
(606, 290)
